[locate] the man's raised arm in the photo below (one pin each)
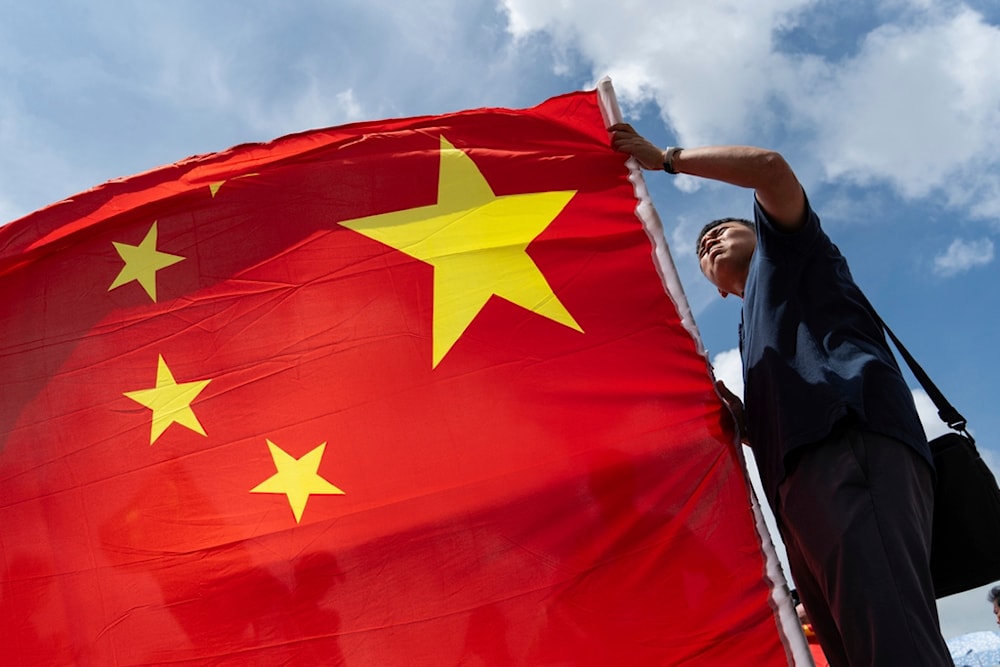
(765, 171)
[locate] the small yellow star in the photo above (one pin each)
(169, 401)
(215, 186)
(296, 478)
(142, 262)
(477, 243)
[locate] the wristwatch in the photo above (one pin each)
(668, 158)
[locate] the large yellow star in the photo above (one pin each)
(142, 262)
(477, 243)
(169, 401)
(296, 478)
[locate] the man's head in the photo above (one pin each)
(724, 249)
(994, 597)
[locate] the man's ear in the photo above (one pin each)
(723, 293)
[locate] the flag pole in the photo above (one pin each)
(781, 599)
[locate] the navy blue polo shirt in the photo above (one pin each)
(813, 351)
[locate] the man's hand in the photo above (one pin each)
(625, 139)
(735, 407)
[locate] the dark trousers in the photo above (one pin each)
(855, 514)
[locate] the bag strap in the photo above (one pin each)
(946, 411)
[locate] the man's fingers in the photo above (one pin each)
(735, 408)
(723, 389)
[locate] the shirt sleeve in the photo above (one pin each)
(777, 244)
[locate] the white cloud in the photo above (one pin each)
(933, 426)
(966, 612)
(992, 460)
(31, 167)
(914, 103)
(312, 107)
(918, 107)
(7, 212)
(962, 256)
(98, 90)
(195, 69)
(709, 65)
(728, 367)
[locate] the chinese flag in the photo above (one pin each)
(408, 392)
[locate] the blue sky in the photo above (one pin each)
(889, 110)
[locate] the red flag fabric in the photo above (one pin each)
(407, 392)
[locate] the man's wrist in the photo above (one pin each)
(668, 159)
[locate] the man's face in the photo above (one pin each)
(996, 610)
(724, 256)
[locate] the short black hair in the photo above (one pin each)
(994, 594)
(715, 223)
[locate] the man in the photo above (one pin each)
(840, 448)
(994, 597)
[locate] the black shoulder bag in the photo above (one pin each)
(965, 548)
